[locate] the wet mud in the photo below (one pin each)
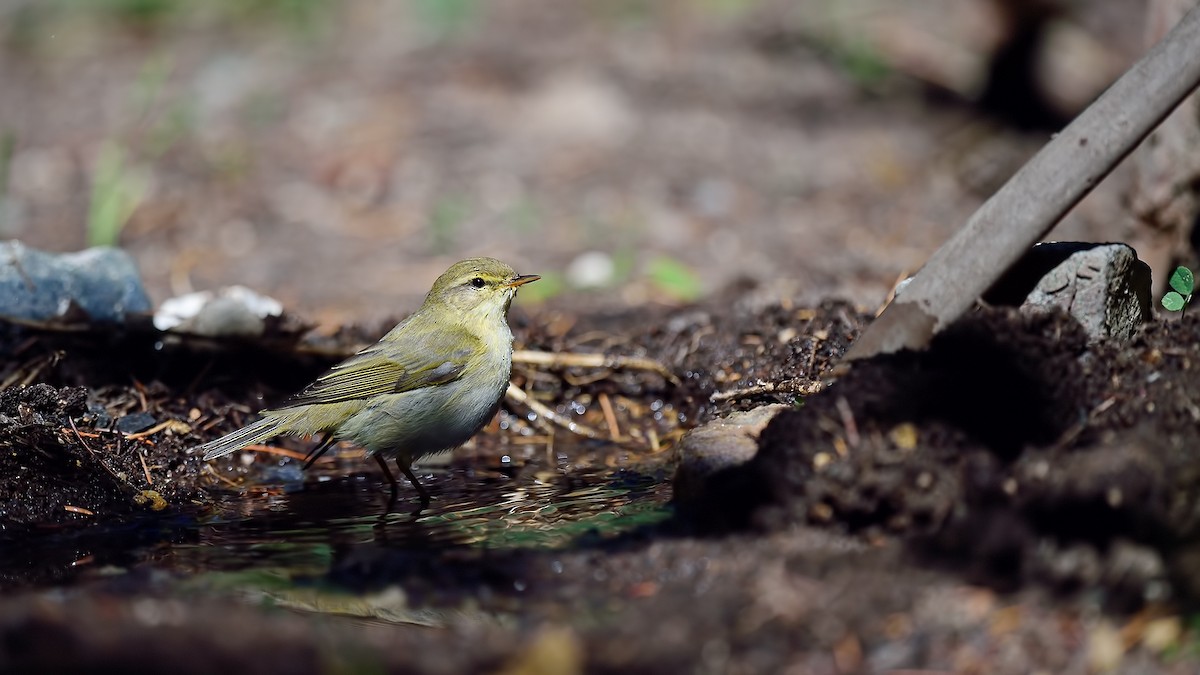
(1013, 485)
(1011, 467)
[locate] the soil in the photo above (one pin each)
(995, 503)
(1014, 499)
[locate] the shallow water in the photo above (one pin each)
(278, 539)
(491, 515)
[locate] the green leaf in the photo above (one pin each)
(1173, 301)
(1183, 281)
(117, 190)
(675, 278)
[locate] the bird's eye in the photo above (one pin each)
(477, 282)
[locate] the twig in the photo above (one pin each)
(1040, 194)
(573, 359)
(141, 394)
(175, 425)
(518, 395)
(35, 367)
(81, 434)
(801, 388)
(94, 455)
(208, 468)
(535, 439)
(272, 450)
(539, 358)
(610, 418)
(146, 469)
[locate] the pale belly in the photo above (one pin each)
(432, 419)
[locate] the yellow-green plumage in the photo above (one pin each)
(427, 386)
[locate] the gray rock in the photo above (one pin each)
(40, 286)
(1105, 287)
(232, 311)
(718, 445)
(135, 422)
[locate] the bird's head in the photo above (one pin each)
(477, 286)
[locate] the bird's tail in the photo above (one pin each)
(257, 432)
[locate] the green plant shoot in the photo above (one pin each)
(116, 193)
(674, 278)
(1182, 284)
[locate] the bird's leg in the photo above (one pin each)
(390, 478)
(406, 469)
(322, 447)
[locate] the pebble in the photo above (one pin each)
(135, 422)
(235, 310)
(593, 269)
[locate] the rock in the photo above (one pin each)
(718, 445)
(35, 285)
(135, 422)
(1104, 286)
(593, 269)
(235, 310)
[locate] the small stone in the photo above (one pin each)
(593, 269)
(718, 445)
(135, 422)
(232, 311)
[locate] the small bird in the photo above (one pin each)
(425, 387)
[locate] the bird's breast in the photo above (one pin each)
(438, 417)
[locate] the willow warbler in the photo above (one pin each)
(427, 386)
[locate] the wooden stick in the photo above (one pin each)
(1040, 194)
(518, 395)
(610, 417)
(614, 362)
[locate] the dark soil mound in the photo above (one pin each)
(1010, 448)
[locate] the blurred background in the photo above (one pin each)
(339, 155)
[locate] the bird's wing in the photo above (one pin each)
(385, 369)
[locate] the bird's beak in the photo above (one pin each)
(522, 280)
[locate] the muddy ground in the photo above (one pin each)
(1014, 500)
